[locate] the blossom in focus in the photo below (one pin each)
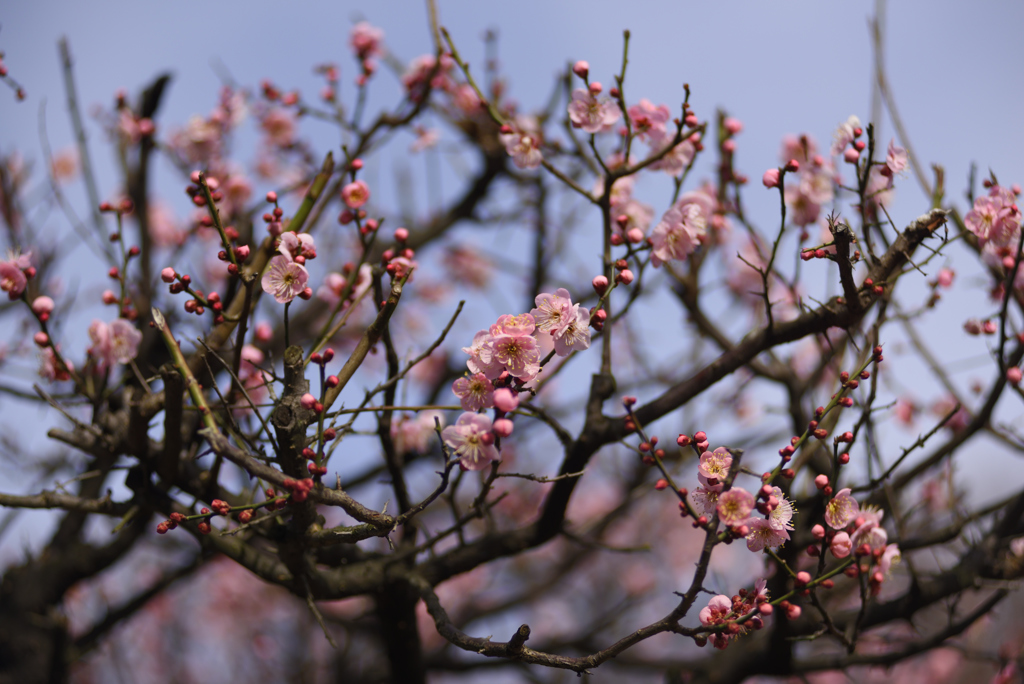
(296, 245)
(567, 323)
(763, 535)
(514, 346)
(869, 530)
(706, 500)
(718, 607)
(714, 467)
(681, 229)
(554, 312)
(841, 510)
(474, 392)
(481, 356)
(471, 440)
(284, 279)
(576, 335)
(590, 114)
(781, 517)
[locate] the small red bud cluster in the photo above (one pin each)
(299, 488)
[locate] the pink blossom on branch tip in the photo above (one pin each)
(841, 510)
(590, 114)
(284, 279)
(471, 440)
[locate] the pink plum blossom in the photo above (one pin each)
(524, 149)
(676, 161)
(994, 217)
(471, 440)
(284, 279)
(706, 500)
(12, 275)
(681, 229)
(648, 120)
(844, 135)
(771, 178)
(841, 510)
(718, 607)
(801, 149)
(51, 369)
(891, 556)
(763, 535)
(514, 346)
(481, 356)
(365, 40)
(295, 245)
(895, 158)
(355, 194)
(414, 434)
(554, 311)
(474, 392)
(590, 114)
(576, 335)
(714, 467)
(566, 322)
(734, 506)
(114, 342)
(781, 517)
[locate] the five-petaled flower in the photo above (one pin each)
(734, 506)
(681, 229)
(588, 113)
(114, 342)
(472, 440)
(474, 392)
(285, 279)
(841, 510)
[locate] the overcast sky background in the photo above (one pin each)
(954, 67)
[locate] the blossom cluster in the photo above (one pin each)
(506, 355)
(723, 611)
